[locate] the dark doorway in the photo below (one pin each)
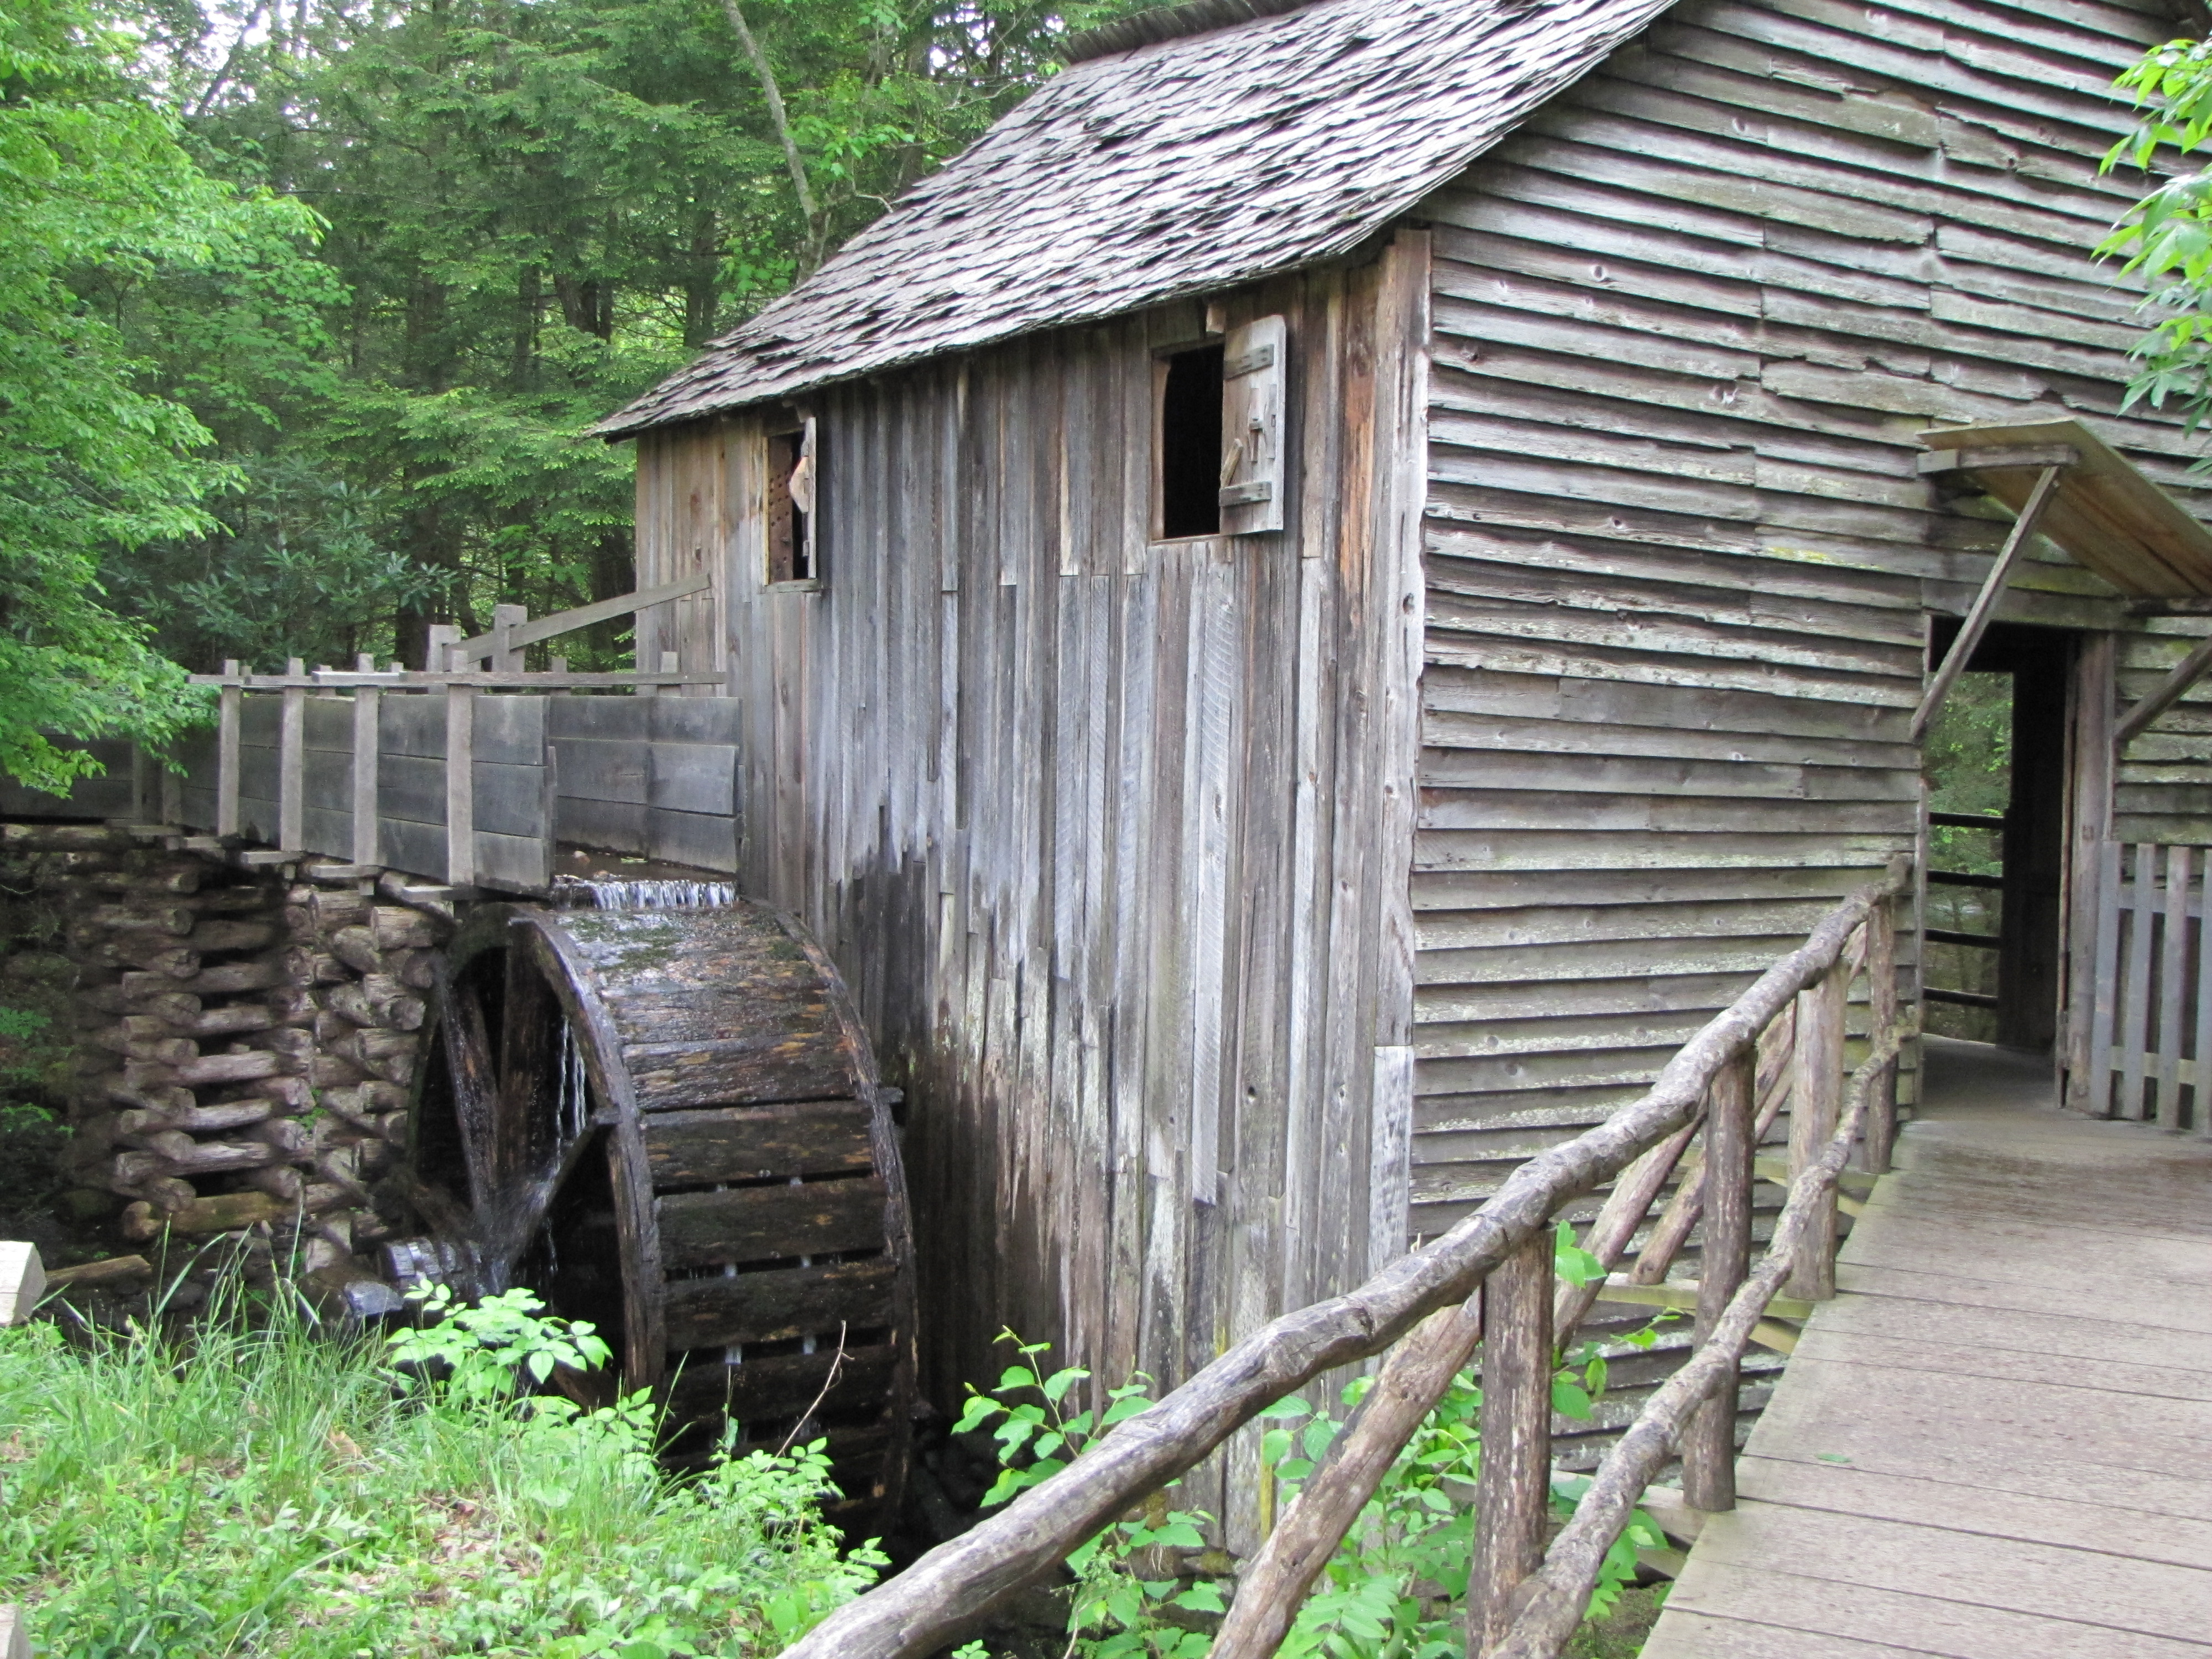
(1996, 760)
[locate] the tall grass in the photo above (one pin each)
(256, 1486)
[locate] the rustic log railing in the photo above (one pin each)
(1783, 1040)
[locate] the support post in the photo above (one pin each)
(292, 763)
(1708, 1439)
(1883, 1006)
(367, 736)
(1513, 1492)
(1815, 1104)
(1985, 602)
(231, 708)
(460, 785)
(506, 622)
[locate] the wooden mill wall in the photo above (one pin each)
(1109, 835)
(1687, 321)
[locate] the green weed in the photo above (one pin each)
(259, 1487)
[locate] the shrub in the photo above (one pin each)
(259, 1486)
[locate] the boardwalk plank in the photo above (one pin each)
(1792, 1602)
(2165, 1381)
(1990, 1444)
(2104, 1528)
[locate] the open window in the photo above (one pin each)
(1219, 448)
(793, 474)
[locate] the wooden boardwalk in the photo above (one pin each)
(1996, 1441)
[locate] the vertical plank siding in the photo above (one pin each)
(1687, 323)
(1098, 828)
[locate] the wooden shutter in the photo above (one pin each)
(1253, 359)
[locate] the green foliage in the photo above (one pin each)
(2166, 236)
(98, 195)
(260, 1485)
(1392, 1589)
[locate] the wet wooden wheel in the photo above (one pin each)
(668, 1121)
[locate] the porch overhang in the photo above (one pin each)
(2109, 517)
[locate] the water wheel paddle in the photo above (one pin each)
(668, 1121)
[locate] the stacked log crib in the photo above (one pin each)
(245, 1046)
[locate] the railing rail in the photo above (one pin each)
(1421, 1310)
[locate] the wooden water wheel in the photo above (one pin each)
(668, 1121)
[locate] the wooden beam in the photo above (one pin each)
(567, 622)
(400, 680)
(1936, 462)
(367, 739)
(292, 763)
(232, 708)
(2163, 696)
(1985, 602)
(14, 1633)
(460, 785)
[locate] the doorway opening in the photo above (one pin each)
(1996, 766)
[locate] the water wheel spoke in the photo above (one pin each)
(472, 1076)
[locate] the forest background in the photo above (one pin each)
(306, 306)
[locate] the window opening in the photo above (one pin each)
(1190, 444)
(794, 470)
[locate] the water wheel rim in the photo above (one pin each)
(540, 950)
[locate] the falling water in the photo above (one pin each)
(607, 894)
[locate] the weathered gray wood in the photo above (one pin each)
(1985, 607)
(1813, 1104)
(231, 701)
(2102, 996)
(365, 759)
(1708, 1448)
(291, 764)
(2133, 1036)
(460, 868)
(1513, 1499)
(1882, 1008)
(2173, 972)
(2168, 691)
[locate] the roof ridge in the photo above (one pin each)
(1179, 22)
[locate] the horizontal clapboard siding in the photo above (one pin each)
(1686, 323)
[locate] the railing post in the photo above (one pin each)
(1815, 1103)
(368, 735)
(292, 762)
(1513, 1492)
(1709, 1442)
(1881, 1004)
(231, 704)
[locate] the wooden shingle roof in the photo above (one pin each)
(1172, 168)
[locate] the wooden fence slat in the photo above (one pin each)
(1513, 1490)
(460, 785)
(1709, 1442)
(1813, 1105)
(2135, 990)
(292, 762)
(2104, 1023)
(231, 701)
(2201, 955)
(367, 708)
(2173, 975)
